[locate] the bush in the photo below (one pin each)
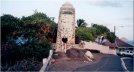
(28, 27)
(9, 24)
(36, 49)
(85, 33)
(24, 65)
(9, 54)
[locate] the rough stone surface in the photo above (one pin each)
(75, 53)
(89, 54)
(66, 28)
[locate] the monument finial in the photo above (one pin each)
(67, 2)
(67, 5)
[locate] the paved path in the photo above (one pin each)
(110, 63)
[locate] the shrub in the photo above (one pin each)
(9, 54)
(24, 65)
(36, 49)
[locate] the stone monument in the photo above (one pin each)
(66, 28)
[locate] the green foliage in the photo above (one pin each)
(90, 33)
(30, 28)
(11, 54)
(24, 65)
(9, 24)
(36, 49)
(100, 29)
(111, 37)
(103, 30)
(38, 18)
(85, 33)
(81, 23)
(9, 20)
(35, 18)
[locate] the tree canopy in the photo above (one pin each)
(91, 33)
(81, 23)
(85, 33)
(9, 24)
(26, 37)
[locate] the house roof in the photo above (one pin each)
(109, 44)
(118, 43)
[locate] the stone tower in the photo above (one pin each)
(66, 27)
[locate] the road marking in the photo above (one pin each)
(123, 64)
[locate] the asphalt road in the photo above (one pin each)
(110, 63)
(128, 61)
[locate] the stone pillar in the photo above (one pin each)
(66, 27)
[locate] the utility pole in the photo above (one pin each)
(114, 29)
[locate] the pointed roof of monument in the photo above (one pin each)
(67, 5)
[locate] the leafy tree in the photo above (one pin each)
(111, 37)
(32, 28)
(100, 29)
(90, 33)
(85, 33)
(81, 23)
(38, 18)
(43, 22)
(9, 24)
(24, 65)
(36, 49)
(104, 31)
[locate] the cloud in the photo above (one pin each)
(127, 18)
(105, 3)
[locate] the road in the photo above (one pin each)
(128, 63)
(111, 63)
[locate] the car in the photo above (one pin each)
(126, 53)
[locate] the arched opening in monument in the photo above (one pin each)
(64, 40)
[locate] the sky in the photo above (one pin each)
(110, 13)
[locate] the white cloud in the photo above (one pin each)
(127, 18)
(105, 3)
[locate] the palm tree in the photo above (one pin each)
(81, 23)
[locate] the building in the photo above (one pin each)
(119, 45)
(66, 27)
